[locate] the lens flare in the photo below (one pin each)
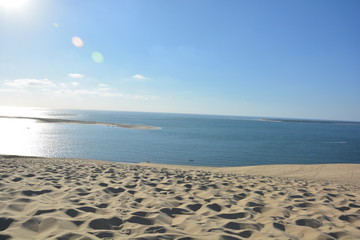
(77, 42)
(97, 57)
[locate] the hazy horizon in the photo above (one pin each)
(263, 59)
(21, 111)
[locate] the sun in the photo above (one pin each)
(13, 4)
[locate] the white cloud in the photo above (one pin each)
(104, 89)
(139, 77)
(76, 75)
(103, 92)
(82, 92)
(48, 87)
(10, 90)
(28, 82)
(63, 85)
(140, 97)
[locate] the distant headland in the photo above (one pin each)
(307, 121)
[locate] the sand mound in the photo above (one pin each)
(82, 199)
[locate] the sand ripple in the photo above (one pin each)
(82, 199)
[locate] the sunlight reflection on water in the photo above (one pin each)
(23, 137)
(210, 140)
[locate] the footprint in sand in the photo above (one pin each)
(157, 229)
(215, 207)
(111, 190)
(31, 193)
(17, 179)
(234, 215)
(5, 223)
(194, 207)
(105, 235)
(72, 212)
(351, 218)
(171, 211)
(140, 220)
(87, 209)
(309, 223)
(108, 224)
(39, 212)
(240, 226)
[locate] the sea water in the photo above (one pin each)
(183, 139)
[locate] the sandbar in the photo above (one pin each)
(68, 121)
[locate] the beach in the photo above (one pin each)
(68, 121)
(43, 198)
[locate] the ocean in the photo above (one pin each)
(185, 139)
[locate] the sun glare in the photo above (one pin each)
(13, 4)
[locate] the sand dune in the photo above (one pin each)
(86, 199)
(345, 174)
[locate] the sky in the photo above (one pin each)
(294, 59)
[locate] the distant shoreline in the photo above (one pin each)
(307, 121)
(120, 125)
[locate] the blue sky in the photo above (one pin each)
(297, 59)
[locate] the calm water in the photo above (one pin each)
(204, 140)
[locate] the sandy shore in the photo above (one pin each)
(67, 121)
(86, 199)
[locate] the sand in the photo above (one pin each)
(68, 121)
(44, 198)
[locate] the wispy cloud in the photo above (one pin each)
(63, 85)
(29, 82)
(101, 92)
(10, 90)
(76, 75)
(47, 87)
(140, 77)
(104, 87)
(88, 92)
(140, 97)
